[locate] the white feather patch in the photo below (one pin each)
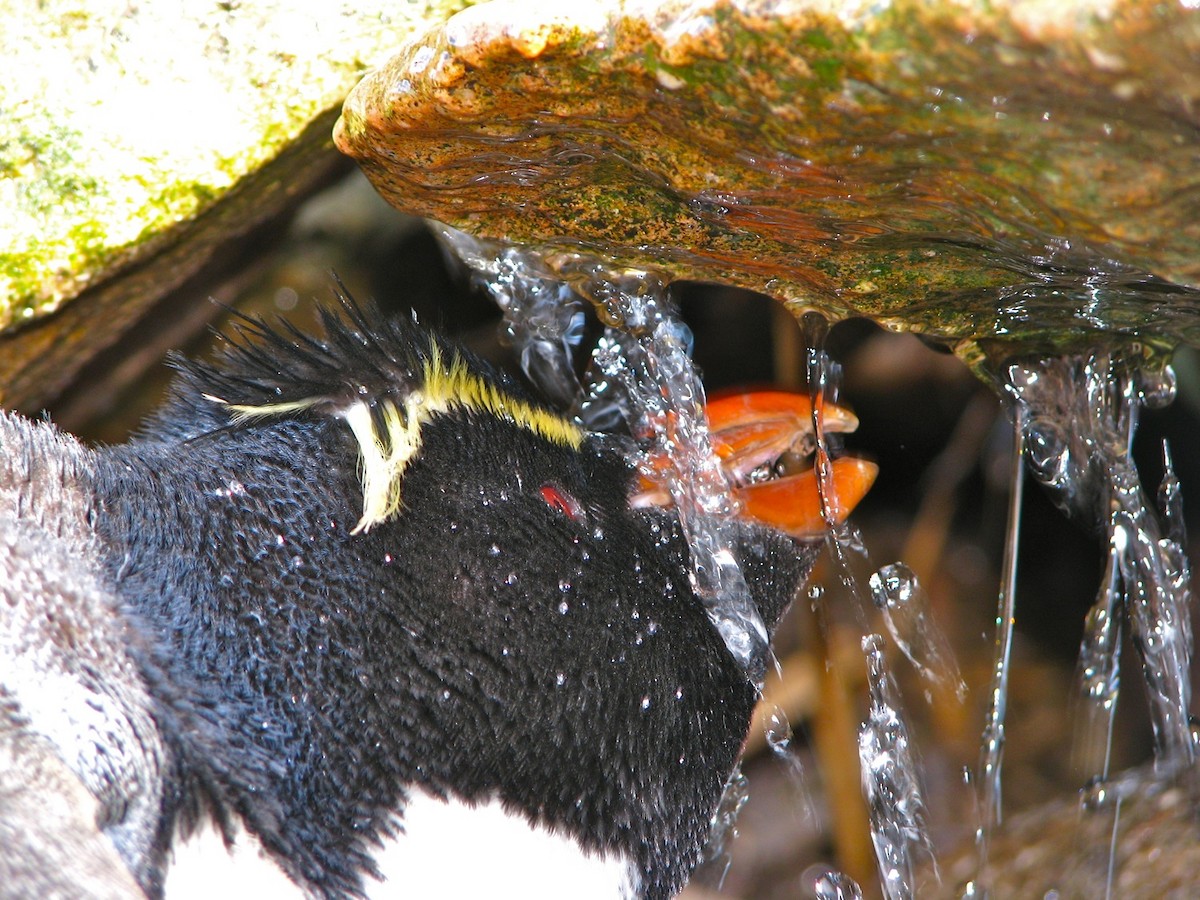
(448, 849)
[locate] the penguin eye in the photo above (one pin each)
(558, 499)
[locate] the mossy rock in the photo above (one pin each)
(1021, 172)
(137, 141)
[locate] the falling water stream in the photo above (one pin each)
(1074, 421)
(1082, 416)
(890, 777)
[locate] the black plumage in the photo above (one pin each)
(500, 624)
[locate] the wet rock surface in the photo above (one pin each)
(1010, 171)
(1062, 849)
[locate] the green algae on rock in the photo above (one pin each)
(137, 139)
(1021, 171)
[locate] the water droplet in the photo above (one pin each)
(1095, 795)
(645, 703)
(510, 579)
(564, 607)
(560, 679)
(494, 550)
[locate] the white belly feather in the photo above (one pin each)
(447, 850)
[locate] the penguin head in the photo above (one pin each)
(425, 579)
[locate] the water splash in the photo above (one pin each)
(543, 316)
(894, 801)
(887, 763)
(723, 825)
(1081, 415)
(648, 352)
(906, 613)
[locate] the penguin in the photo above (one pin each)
(336, 588)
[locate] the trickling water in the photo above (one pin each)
(905, 606)
(1099, 678)
(890, 780)
(1074, 426)
(992, 742)
(543, 316)
(779, 738)
(1082, 413)
(723, 826)
(889, 776)
(650, 357)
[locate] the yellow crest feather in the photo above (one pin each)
(388, 433)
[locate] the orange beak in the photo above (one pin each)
(750, 433)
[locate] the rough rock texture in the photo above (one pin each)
(1143, 825)
(975, 171)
